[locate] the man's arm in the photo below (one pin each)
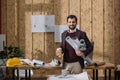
(89, 46)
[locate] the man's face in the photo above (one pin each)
(72, 23)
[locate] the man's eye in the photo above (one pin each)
(69, 22)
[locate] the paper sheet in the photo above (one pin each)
(43, 23)
(81, 76)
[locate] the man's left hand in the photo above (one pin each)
(79, 53)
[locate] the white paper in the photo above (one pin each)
(81, 76)
(43, 23)
(38, 62)
(59, 29)
(27, 61)
(2, 42)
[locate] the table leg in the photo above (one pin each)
(13, 72)
(115, 74)
(96, 74)
(25, 74)
(105, 74)
(93, 74)
(17, 74)
(109, 74)
(29, 75)
(118, 75)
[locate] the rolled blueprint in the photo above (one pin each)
(73, 42)
(38, 62)
(76, 44)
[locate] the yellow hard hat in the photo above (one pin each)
(13, 62)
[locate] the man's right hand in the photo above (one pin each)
(59, 52)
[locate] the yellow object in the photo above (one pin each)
(13, 62)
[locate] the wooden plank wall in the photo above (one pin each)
(109, 30)
(99, 19)
(117, 31)
(0, 16)
(3, 16)
(97, 27)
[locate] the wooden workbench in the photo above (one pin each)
(95, 70)
(27, 67)
(107, 67)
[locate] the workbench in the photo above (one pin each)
(28, 69)
(107, 67)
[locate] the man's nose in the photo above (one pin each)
(71, 23)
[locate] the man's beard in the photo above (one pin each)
(72, 28)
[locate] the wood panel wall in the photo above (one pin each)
(117, 31)
(0, 16)
(100, 19)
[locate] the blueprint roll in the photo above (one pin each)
(82, 45)
(72, 43)
(76, 44)
(38, 62)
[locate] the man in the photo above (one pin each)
(72, 59)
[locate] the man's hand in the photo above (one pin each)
(79, 53)
(59, 52)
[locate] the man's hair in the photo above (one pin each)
(72, 16)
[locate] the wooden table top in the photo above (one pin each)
(35, 67)
(105, 66)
